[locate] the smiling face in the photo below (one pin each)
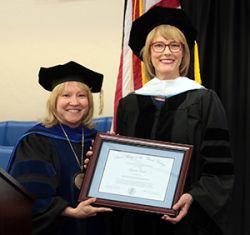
(72, 104)
(166, 63)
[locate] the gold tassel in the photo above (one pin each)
(197, 75)
(101, 102)
(144, 79)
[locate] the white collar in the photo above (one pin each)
(168, 88)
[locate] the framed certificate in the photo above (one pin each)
(137, 174)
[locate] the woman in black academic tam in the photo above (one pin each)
(49, 158)
(171, 107)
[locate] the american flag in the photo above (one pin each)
(131, 76)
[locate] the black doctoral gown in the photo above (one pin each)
(45, 165)
(193, 117)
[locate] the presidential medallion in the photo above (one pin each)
(78, 180)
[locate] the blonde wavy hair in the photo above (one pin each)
(171, 33)
(52, 118)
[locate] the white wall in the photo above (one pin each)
(37, 33)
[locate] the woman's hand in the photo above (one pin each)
(182, 206)
(89, 154)
(84, 210)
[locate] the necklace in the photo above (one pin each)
(78, 179)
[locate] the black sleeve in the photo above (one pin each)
(120, 120)
(34, 166)
(127, 115)
(214, 187)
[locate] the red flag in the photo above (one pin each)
(130, 75)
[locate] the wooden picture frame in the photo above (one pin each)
(137, 174)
